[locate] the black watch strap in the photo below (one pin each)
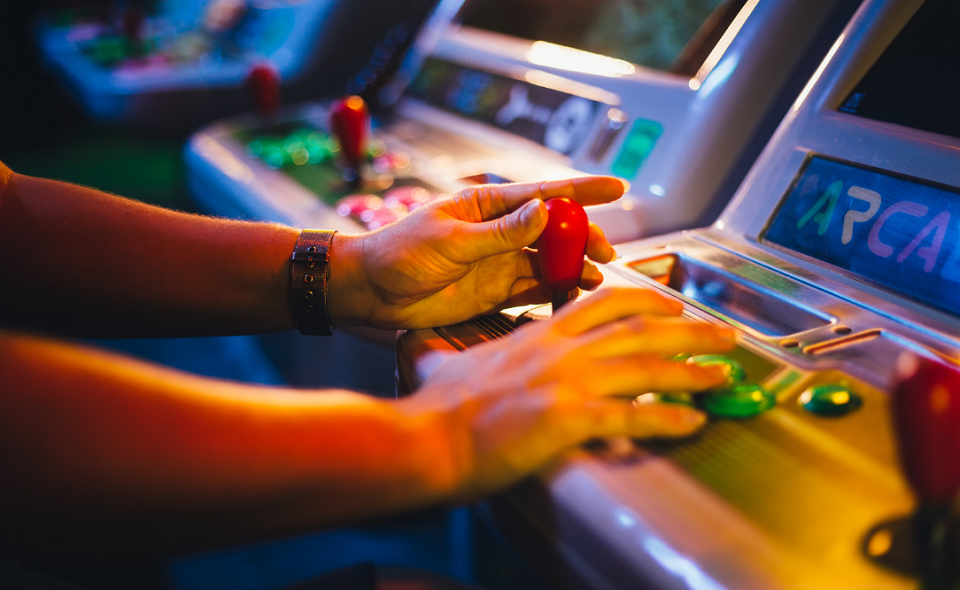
(309, 277)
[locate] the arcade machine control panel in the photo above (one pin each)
(836, 261)
(477, 101)
(164, 64)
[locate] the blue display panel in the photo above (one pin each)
(901, 233)
(549, 117)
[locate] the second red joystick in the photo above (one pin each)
(349, 119)
(926, 412)
(264, 83)
(561, 248)
(926, 409)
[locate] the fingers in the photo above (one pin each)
(502, 218)
(528, 266)
(586, 190)
(598, 248)
(612, 305)
(606, 418)
(494, 200)
(591, 277)
(658, 336)
(640, 374)
(475, 241)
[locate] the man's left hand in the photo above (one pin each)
(459, 258)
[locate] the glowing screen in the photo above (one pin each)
(901, 233)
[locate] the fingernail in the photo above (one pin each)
(721, 372)
(531, 213)
(626, 186)
(694, 418)
(727, 335)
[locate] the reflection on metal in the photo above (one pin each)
(720, 75)
(560, 84)
(223, 159)
(679, 565)
(745, 303)
(714, 58)
(576, 60)
(842, 342)
(611, 130)
(817, 74)
(879, 543)
(669, 558)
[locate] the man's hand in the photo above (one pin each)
(512, 404)
(458, 258)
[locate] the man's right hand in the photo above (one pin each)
(511, 404)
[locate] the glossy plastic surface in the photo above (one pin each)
(264, 83)
(349, 120)
(562, 244)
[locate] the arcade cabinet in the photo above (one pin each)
(674, 96)
(177, 64)
(830, 458)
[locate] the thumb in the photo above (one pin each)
(508, 233)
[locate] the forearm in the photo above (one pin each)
(111, 266)
(110, 455)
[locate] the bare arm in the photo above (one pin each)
(89, 263)
(102, 454)
(79, 261)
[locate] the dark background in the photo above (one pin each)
(43, 133)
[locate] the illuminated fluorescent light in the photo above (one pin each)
(575, 60)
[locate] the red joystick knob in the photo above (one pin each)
(926, 412)
(264, 82)
(562, 244)
(348, 118)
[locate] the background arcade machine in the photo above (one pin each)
(471, 105)
(177, 64)
(838, 254)
(708, 82)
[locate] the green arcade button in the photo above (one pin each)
(738, 401)
(830, 400)
(735, 372)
